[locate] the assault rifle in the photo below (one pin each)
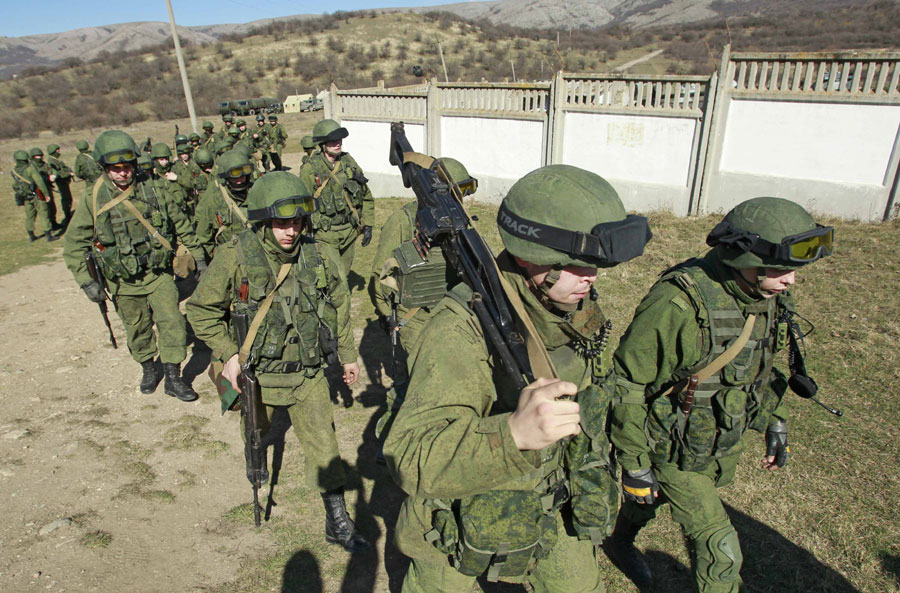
(441, 220)
(394, 329)
(254, 451)
(97, 276)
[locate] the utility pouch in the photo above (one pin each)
(699, 440)
(329, 345)
(594, 490)
(503, 533)
(769, 399)
(730, 410)
(444, 534)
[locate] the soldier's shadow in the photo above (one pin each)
(355, 281)
(772, 564)
(301, 574)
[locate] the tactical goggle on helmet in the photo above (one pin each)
(285, 209)
(119, 156)
(802, 248)
(238, 171)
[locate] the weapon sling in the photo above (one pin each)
(331, 175)
(123, 199)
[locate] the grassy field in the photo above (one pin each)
(827, 522)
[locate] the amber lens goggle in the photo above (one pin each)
(120, 156)
(239, 171)
(468, 186)
(285, 209)
(810, 246)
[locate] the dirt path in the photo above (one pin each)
(106, 489)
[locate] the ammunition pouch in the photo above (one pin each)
(499, 532)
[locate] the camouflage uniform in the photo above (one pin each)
(277, 139)
(43, 169)
(686, 320)
(86, 168)
(25, 180)
(63, 179)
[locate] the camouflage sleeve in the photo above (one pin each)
(205, 221)
(444, 443)
(389, 238)
(207, 309)
(38, 180)
(184, 229)
(661, 340)
(78, 237)
(307, 175)
(340, 299)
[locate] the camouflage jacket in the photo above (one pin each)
(348, 184)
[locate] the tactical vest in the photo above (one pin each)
(503, 533)
(229, 223)
(23, 187)
(288, 339)
(736, 398)
(125, 248)
(348, 183)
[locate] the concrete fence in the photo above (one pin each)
(818, 128)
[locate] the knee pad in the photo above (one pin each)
(719, 557)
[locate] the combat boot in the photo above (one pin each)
(49, 236)
(620, 548)
(151, 376)
(339, 528)
(31, 237)
(175, 385)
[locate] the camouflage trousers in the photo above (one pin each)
(37, 209)
(65, 196)
(342, 238)
(571, 567)
(139, 307)
(696, 506)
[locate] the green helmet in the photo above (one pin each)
(144, 162)
(185, 148)
(51, 148)
(459, 175)
(771, 233)
(203, 157)
(180, 139)
(114, 146)
(307, 143)
(82, 146)
(240, 123)
(35, 152)
(193, 137)
(328, 130)
(279, 195)
(228, 117)
(260, 117)
(224, 145)
(20, 156)
(160, 151)
(208, 125)
(561, 215)
(233, 132)
(233, 164)
(273, 117)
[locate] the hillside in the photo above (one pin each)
(351, 50)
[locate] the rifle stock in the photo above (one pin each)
(253, 447)
(442, 220)
(97, 276)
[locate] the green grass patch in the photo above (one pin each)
(96, 539)
(188, 434)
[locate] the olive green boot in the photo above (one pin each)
(620, 548)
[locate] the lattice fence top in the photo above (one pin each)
(668, 94)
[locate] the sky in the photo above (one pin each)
(56, 16)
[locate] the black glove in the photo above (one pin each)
(367, 235)
(94, 291)
(777, 443)
(200, 267)
(640, 486)
(20, 201)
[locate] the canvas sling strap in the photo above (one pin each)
(233, 206)
(541, 364)
(123, 199)
(687, 401)
(244, 353)
(22, 179)
(332, 175)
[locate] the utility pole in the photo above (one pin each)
(441, 51)
(184, 78)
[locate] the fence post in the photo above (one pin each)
(433, 120)
(555, 120)
(697, 172)
(714, 148)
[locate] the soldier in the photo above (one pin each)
(346, 207)
(678, 440)
(308, 147)
(227, 124)
(187, 172)
(131, 227)
(209, 135)
(277, 139)
(26, 182)
(260, 142)
(194, 140)
(490, 471)
(167, 180)
(63, 180)
(86, 168)
(287, 355)
(205, 161)
(221, 211)
(43, 169)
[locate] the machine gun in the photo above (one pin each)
(254, 451)
(97, 276)
(441, 220)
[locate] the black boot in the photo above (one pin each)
(339, 529)
(151, 376)
(620, 548)
(49, 236)
(175, 385)
(31, 237)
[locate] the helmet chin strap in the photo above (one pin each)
(543, 292)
